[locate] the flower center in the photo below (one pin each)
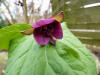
(46, 30)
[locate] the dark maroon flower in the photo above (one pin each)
(44, 30)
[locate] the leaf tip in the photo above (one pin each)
(59, 17)
(28, 31)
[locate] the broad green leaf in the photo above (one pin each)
(68, 57)
(11, 32)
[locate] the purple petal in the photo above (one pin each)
(57, 30)
(42, 23)
(40, 37)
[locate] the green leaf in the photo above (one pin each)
(11, 32)
(68, 57)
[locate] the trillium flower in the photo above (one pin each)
(47, 30)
